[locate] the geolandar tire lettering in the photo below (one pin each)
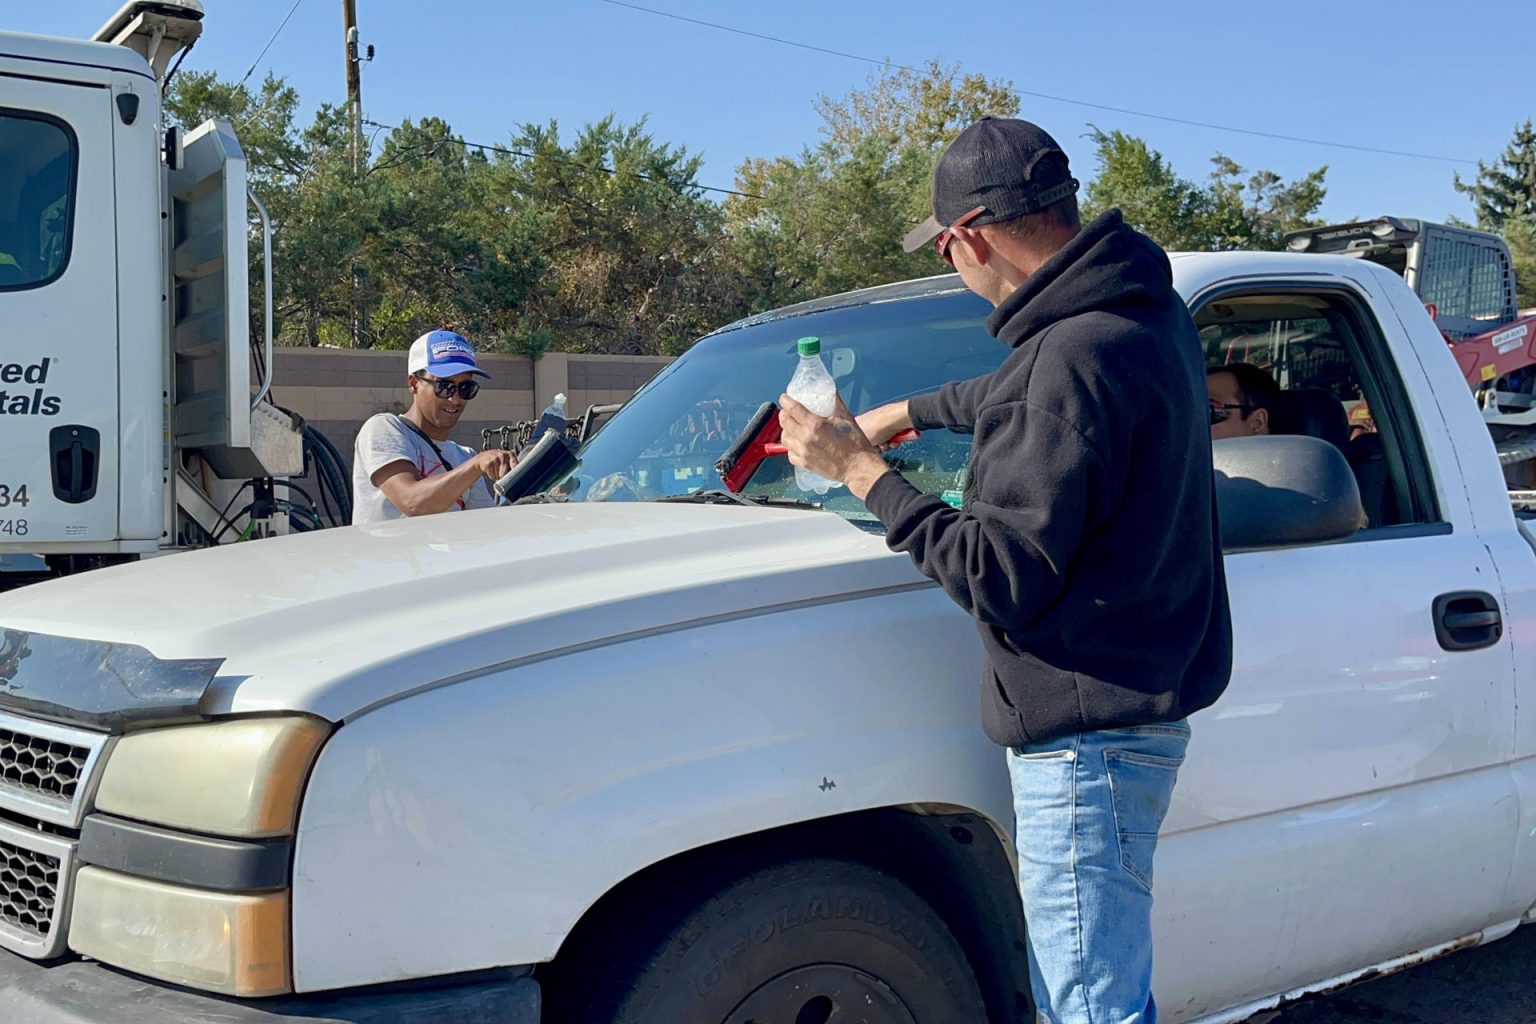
(14, 495)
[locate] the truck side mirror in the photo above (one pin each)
(1281, 491)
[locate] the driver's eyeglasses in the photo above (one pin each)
(466, 389)
(941, 244)
(1222, 411)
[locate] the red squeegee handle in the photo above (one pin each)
(774, 448)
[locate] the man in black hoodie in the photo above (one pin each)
(1087, 549)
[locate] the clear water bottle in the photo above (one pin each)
(813, 387)
(552, 418)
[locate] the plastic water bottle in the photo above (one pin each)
(552, 418)
(813, 387)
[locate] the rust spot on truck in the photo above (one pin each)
(1407, 963)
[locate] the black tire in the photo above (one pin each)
(807, 942)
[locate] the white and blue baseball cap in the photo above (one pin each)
(443, 354)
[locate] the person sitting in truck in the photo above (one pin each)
(1243, 399)
(406, 465)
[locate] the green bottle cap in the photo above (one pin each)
(809, 346)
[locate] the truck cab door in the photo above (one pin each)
(58, 315)
(1348, 801)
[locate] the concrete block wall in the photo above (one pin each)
(336, 390)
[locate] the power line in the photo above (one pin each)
(530, 156)
(264, 49)
(1055, 99)
(757, 35)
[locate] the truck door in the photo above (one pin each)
(58, 315)
(1348, 800)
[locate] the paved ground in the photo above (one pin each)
(1494, 984)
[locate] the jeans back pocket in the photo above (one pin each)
(1141, 787)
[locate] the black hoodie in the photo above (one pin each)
(1087, 550)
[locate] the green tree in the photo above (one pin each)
(264, 121)
(631, 248)
(832, 219)
(1505, 190)
(1234, 209)
(435, 256)
(1504, 200)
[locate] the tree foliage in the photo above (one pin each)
(833, 218)
(1233, 209)
(1504, 200)
(604, 241)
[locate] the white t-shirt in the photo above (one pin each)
(386, 438)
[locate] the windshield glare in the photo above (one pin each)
(666, 441)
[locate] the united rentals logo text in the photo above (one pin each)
(16, 401)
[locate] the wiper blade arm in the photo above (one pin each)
(723, 497)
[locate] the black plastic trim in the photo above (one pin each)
(1468, 620)
(94, 683)
(1404, 531)
(182, 858)
(82, 992)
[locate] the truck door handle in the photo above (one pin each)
(1467, 620)
(75, 453)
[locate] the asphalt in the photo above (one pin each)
(1491, 984)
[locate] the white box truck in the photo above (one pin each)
(132, 400)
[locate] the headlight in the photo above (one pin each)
(231, 943)
(240, 778)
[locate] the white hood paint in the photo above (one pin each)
(336, 621)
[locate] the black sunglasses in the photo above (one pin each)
(1222, 411)
(466, 389)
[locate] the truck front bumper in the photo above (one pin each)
(78, 992)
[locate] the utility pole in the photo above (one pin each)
(355, 108)
(354, 78)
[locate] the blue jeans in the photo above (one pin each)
(1087, 809)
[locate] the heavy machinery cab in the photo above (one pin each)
(1466, 280)
(1465, 276)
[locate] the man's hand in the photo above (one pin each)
(494, 463)
(832, 446)
(884, 422)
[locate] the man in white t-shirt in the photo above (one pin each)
(405, 465)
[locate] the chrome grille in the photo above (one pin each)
(29, 889)
(36, 872)
(50, 768)
(46, 769)
(47, 781)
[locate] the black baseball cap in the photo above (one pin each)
(1001, 165)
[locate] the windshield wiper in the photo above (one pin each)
(723, 497)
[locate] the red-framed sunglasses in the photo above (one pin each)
(941, 244)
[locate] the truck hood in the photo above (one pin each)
(335, 622)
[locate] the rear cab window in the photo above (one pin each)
(38, 162)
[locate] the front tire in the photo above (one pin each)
(808, 942)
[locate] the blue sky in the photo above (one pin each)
(1406, 75)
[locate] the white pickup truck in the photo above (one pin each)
(638, 751)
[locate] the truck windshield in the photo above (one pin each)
(666, 440)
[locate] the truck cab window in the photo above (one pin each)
(1335, 382)
(37, 171)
